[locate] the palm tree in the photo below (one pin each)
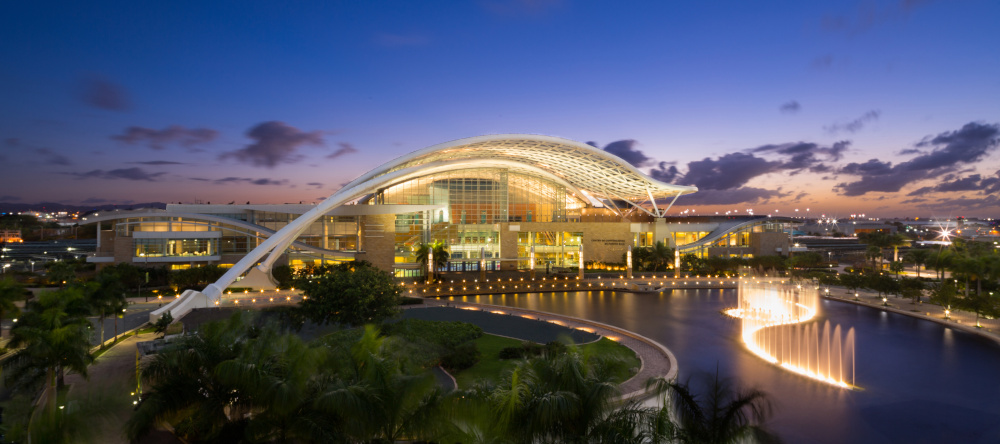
(440, 253)
(661, 255)
(10, 291)
(917, 257)
(873, 253)
(722, 414)
(61, 273)
(567, 398)
(377, 396)
(941, 260)
(54, 337)
(106, 295)
(185, 390)
(895, 241)
(896, 267)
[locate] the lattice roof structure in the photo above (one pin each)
(587, 171)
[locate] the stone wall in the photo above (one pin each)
(378, 240)
(768, 244)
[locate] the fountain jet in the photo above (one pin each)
(777, 327)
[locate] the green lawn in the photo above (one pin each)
(489, 365)
(492, 368)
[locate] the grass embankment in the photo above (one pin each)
(491, 367)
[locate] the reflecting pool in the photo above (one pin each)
(921, 382)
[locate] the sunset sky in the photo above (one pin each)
(889, 108)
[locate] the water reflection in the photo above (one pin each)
(923, 382)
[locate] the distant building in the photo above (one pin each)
(10, 236)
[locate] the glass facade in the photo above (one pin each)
(176, 247)
(475, 202)
(338, 233)
(552, 248)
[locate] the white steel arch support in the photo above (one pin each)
(434, 168)
(577, 166)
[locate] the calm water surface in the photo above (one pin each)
(922, 382)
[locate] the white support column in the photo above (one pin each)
(671, 203)
(653, 201)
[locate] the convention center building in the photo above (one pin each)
(491, 200)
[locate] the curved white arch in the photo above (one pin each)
(220, 219)
(585, 170)
(443, 166)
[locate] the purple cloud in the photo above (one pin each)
(345, 148)
(790, 107)
(726, 172)
(967, 145)
(101, 93)
(248, 180)
(626, 149)
(122, 173)
(854, 125)
(741, 195)
(52, 157)
(274, 143)
(159, 139)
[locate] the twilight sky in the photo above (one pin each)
(889, 108)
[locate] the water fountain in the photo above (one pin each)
(776, 318)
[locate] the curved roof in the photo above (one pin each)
(594, 171)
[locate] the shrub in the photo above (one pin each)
(532, 350)
(465, 355)
(448, 334)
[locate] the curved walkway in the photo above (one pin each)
(957, 319)
(657, 360)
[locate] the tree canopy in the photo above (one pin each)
(352, 293)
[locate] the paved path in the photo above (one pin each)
(657, 361)
(113, 374)
(956, 319)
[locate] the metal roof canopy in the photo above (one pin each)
(594, 171)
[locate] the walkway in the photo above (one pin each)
(955, 318)
(112, 376)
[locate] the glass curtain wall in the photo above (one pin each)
(552, 249)
(176, 247)
(476, 202)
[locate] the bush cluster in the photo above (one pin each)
(532, 350)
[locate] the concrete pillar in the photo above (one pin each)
(628, 263)
(531, 262)
(677, 263)
(581, 260)
(482, 265)
(430, 263)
